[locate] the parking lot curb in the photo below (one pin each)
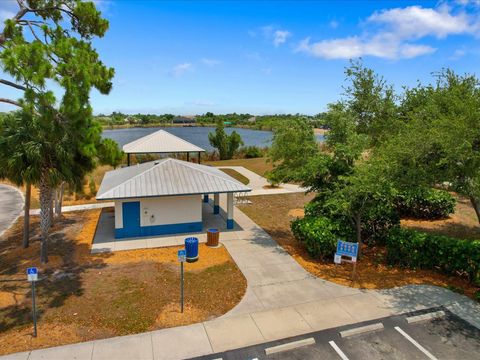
(425, 317)
(361, 330)
(289, 346)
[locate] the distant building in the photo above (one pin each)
(252, 119)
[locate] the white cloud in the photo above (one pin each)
(8, 9)
(417, 22)
(210, 62)
(267, 71)
(181, 69)
(280, 37)
(277, 36)
(392, 34)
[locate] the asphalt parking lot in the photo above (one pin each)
(428, 334)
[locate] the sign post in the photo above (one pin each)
(32, 276)
(182, 257)
(348, 250)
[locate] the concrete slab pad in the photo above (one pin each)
(233, 332)
(130, 244)
(324, 314)
(291, 293)
(364, 307)
(134, 347)
(16, 356)
(281, 323)
(161, 241)
(339, 290)
(181, 342)
(247, 305)
(81, 351)
(272, 274)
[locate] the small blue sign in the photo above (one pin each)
(32, 274)
(345, 248)
(182, 255)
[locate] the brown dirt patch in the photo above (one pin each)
(236, 175)
(463, 224)
(86, 297)
(296, 213)
(274, 214)
(258, 165)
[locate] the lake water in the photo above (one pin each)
(195, 135)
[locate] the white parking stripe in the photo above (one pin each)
(417, 345)
(338, 350)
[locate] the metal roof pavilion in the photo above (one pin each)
(166, 177)
(158, 142)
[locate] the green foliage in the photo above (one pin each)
(251, 152)
(92, 186)
(425, 203)
(440, 141)
(226, 145)
(318, 234)
(414, 249)
(293, 144)
(109, 153)
(371, 102)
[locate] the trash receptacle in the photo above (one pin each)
(213, 236)
(191, 248)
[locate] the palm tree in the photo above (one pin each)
(16, 164)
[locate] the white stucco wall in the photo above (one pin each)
(164, 210)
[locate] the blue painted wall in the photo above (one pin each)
(160, 230)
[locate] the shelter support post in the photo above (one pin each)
(188, 156)
(216, 203)
(128, 159)
(230, 211)
(199, 155)
(205, 198)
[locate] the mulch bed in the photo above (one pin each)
(87, 297)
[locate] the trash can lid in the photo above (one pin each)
(213, 230)
(191, 240)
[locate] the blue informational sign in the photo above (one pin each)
(345, 248)
(182, 255)
(32, 274)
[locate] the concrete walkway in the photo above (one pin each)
(258, 183)
(12, 201)
(282, 300)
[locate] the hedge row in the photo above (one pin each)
(318, 234)
(424, 203)
(414, 249)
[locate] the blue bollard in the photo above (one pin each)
(191, 247)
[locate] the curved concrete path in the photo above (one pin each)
(11, 200)
(282, 300)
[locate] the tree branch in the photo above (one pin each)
(9, 101)
(12, 84)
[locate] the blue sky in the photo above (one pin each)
(272, 57)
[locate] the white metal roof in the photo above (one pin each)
(166, 177)
(160, 141)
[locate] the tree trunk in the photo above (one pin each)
(358, 227)
(476, 205)
(26, 216)
(59, 199)
(45, 215)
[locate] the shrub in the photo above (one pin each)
(250, 152)
(414, 249)
(318, 234)
(376, 223)
(424, 203)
